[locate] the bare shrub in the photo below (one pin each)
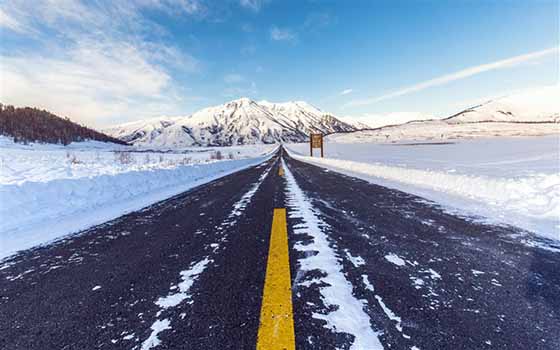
(231, 155)
(123, 157)
(74, 159)
(185, 161)
(217, 155)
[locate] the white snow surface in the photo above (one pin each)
(503, 180)
(395, 259)
(153, 340)
(187, 279)
(173, 299)
(443, 130)
(47, 162)
(37, 193)
(349, 316)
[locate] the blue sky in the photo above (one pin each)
(106, 62)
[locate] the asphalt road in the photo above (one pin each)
(188, 273)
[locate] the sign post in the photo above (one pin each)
(315, 141)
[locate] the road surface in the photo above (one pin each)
(351, 265)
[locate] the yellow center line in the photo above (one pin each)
(276, 330)
(281, 171)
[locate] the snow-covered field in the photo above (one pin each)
(47, 191)
(440, 131)
(43, 163)
(504, 180)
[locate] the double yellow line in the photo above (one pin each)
(276, 329)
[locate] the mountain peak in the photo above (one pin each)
(240, 121)
(241, 101)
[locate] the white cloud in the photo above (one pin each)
(465, 73)
(99, 68)
(254, 5)
(176, 7)
(282, 34)
(233, 78)
(317, 20)
(346, 91)
(9, 22)
(91, 84)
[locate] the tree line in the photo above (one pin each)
(26, 124)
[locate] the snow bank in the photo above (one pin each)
(36, 212)
(531, 202)
(47, 162)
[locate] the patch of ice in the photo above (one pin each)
(357, 261)
(390, 313)
(153, 340)
(367, 283)
(395, 259)
(187, 279)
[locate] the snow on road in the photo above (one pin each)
(188, 277)
(348, 316)
(180, 291)
(513, 181)
(37, 210)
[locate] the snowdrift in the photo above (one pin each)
(531, 202)
(37, 212)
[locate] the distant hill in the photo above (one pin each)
(27, 124)
(531, 112)
(238, 122)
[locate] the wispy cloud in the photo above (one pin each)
(233, 78)
(316, 21)
(98, 63)
(254, 5)
(282, 34)
(462, 74)
(346, 92)
(93, 83)
(241, 91)
(9, 22)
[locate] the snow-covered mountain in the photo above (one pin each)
(532, 105)
(241, 121)
(530, 112)
(141, 131)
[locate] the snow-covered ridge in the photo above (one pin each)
(533, 105)
(532, 112)
(241, 121)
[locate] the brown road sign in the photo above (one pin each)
(316, 141)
